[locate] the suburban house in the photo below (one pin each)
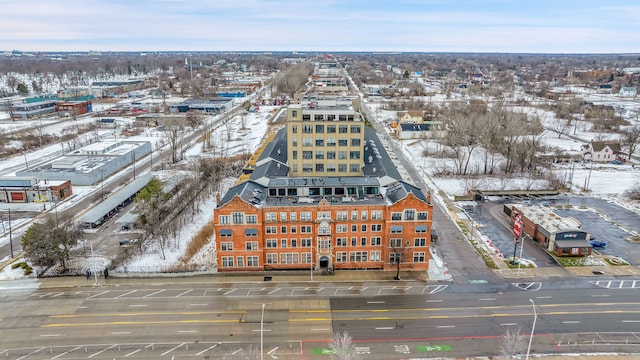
(628, 91)
(600, 151)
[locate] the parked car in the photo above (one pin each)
(598, 243)
(617, 162)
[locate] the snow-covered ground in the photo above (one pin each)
(604, 180)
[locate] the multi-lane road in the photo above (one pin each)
(387, 320)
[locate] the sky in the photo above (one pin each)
(512, 26)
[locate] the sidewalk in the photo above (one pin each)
(350, 276)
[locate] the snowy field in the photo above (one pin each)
(605, 180)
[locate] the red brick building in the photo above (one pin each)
(273, 221)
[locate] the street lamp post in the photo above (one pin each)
(262, 334)
(533, 328)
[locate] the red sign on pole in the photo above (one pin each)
(517, 226)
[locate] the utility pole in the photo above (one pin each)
(10, 235)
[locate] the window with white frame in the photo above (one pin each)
(283, 243)
(376, 227)
(283, 216)
(363, 241)
(420, 242)
(423, 215)
(227, 261)
(396, 229)
(341, 241)
(396, 216)
(283, 229)
(271, 229)
(305, 229)
(293, 229)
(341, 228)
(324, 244)
(289, 258)
(252, 261)
(324, 229)
(395, 258)
(238, 217)
(376, 241)
(395, 243)
(294, 242)
(341, 256)
(306, 257)
(418, 257)
(305, 242)
(251, 245)
(354, 241)
(421, 229)
(305, 216)
(364, 215)
(355, 256)
(324, 214)
(272, 243)
(342, 215)
(270, 217)
(354, 228)
(224, 219)
(240, 261)
(376, 215)
(293, 216)
(252, 219)
(375, 256)
(226, 246)
(409, 214)
(354, 215)
(272, 258)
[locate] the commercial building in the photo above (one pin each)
(323, 195)
(562, 236)
(91, 164)
(31, 189)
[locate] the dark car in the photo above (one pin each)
(598, 243)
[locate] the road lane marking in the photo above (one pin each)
(133, 353)
(487, 299)
(444, 326)
(101, 351)
(120, 332)
(326, 329)
(66, 352)
(385, 328)
(571, 322)
(630, 321)
(433, 301)
(375, 302)
(171, 350)
(508, 324)
(207, 349)
(184, 293)
(153, 293)
(198, 304)
(50, 335)
(138, 305)
(125, 294)
(188, 331)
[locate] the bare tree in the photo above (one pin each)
(173, 132)
(342, 347)
(513, 342)
(631, 139)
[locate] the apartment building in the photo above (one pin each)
(323, 195)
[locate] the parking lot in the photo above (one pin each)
(605, 221)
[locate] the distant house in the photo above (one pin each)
(410, 117)
(593, 111)
(601, 151)
(412, 131)
(604, 88)
(628, 91)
